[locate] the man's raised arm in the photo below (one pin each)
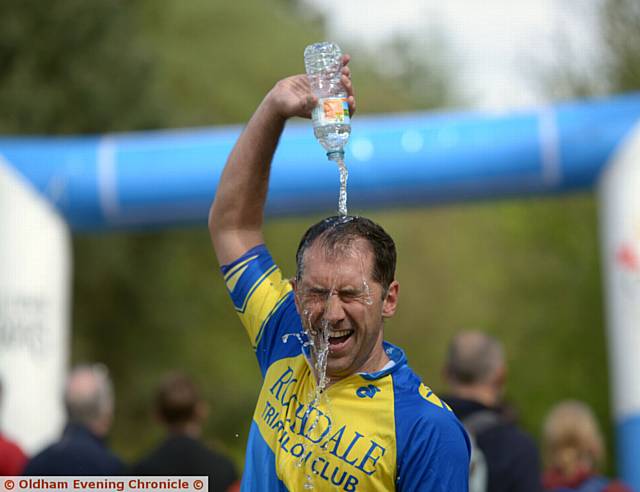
(235, 218)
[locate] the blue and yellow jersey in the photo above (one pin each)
(370, 432)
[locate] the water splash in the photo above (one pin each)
(298, 336)
(321, 358)
(344, 175)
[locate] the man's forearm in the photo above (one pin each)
(237, 210)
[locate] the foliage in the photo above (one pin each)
(62, 68)
(621, 34)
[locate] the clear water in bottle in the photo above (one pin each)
(331, 120)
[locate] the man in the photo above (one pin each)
(81, 450)
(182, 411)
(475, 371)
(339, 408)
(12, 459)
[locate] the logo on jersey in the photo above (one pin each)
(430, 396)
(367, 391)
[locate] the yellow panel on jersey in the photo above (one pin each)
(257, 290)
(325, 442)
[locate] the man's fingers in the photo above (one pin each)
(351, 101)
(311, 102)
(346, 58)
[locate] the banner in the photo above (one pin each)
(35, 263)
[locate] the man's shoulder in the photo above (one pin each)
(85, 455)
(414, 396)
(421, 415)
(428, 436)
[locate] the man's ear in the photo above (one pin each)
(390, 301)
(201, 411)
(500, 377)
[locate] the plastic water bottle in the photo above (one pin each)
(331, 122)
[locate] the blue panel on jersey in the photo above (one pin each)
(283, 322)
(432, 453)
(260, 458)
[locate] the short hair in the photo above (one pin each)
(342, 230)
(88, 394)
(473, 357)
(177, 398)
(571, 436)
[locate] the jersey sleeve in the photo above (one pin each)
(436, 457)
(433, 448)
(263, 299)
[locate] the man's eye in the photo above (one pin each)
(350, 296)
(315, 295)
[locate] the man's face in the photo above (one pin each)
(338, 296)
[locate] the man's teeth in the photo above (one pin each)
(341, 333)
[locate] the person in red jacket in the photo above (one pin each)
(12, 459)
(574, 451)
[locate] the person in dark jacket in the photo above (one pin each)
(475, 372)
(180, 408)
(82, 449)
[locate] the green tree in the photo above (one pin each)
(620, 26)
(73, 67)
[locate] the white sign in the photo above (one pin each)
(35, 265)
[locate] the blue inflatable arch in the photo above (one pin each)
(165, 178)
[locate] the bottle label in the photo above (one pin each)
(331, 110)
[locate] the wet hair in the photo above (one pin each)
(473, 357)
(177, 398)
(341, 230)
(572, 438)
(88, 393)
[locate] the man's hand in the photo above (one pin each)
(293, 96)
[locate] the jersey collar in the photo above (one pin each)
(395, 354)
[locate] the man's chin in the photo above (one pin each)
(338, 370)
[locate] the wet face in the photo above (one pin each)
(338, 297)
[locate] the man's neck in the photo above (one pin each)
(480, 393)
(189, 429)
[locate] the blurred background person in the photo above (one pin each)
(574, 451)
(82, 449)
(12, 459)
(475, 371)
(182, 411)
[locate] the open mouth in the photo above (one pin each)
(339, 337)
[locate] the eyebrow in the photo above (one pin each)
(343, 291)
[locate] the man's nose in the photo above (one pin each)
(333, 311)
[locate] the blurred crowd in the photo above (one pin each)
(503, 458)
(82, 448)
